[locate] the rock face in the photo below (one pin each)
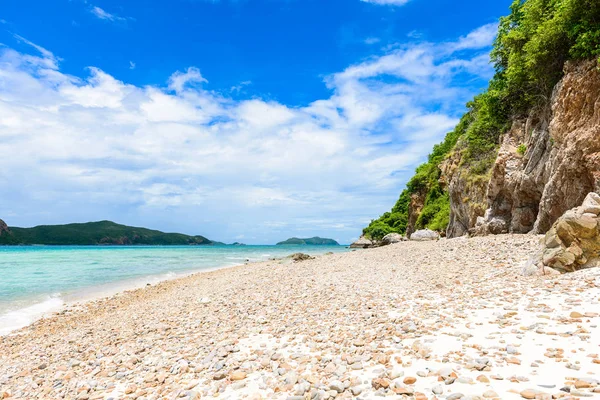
(545, 166)
(467, 197)
(573, 242)
(424, 234)
(3, 228)
(362, 243)
(392, 238)
(417, 201)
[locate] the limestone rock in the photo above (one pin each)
(417, 202)
(362, 243)
(561, 165)
(425, 234)
(573, 242)
(391, 238)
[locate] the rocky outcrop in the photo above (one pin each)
(362, 243)
(392, 238)
(573, 242)
(417, 202)
(3, 228)
(365, 243)
(545, 166)
(467, 196)
(424, 235)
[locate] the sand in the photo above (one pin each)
(449, 319)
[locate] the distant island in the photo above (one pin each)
(95, 233)
(315, 241)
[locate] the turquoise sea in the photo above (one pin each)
(36, 280)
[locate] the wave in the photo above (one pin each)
(20, 318)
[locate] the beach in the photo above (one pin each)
(446, 319)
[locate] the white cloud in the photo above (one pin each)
(479, 38)
(179, 80)
(372, 40)
(101, 14)
(185, 158)
(387, 2)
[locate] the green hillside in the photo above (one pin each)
(96, 233)
(315, 241)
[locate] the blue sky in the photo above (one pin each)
(247, 120)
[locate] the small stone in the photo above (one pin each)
(396, 373)
(455, 396)
(130, 388)
(337, 386)
(575, 314)
(356, 366)
(483, 379)
(582, 384)
(437, 389)
(579, 393)
(219, 375)
(404, 390)
(528, 394)
(490, 394)
(409, 380)
(356, 390)
(237, 376)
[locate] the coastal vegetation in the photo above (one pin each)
(533, 44)
(96, 233)
(314, 241)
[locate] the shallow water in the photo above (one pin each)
(35, 280)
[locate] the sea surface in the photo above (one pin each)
(37, 280)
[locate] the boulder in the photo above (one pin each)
(573, 242)
(301, 257)
(362, 243)
(424, 235)
(392, 238)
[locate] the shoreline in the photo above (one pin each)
(450, 319)
(57, 303)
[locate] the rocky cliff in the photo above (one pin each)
(527, 148)
(3, 228)
(546, 164)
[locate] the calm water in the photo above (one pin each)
(38, 279)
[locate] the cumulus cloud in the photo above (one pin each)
(479, 38)
(184, 157)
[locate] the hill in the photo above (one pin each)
(95, 233)
(315, 241)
